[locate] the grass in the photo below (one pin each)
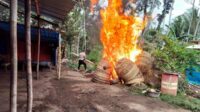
(183, 101)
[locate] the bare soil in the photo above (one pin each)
(75, 92)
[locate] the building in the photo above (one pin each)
(49, 44)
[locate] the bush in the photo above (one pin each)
(172, 55)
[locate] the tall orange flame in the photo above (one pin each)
(92, 4)
(119, 34)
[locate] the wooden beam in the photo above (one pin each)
(28, 55)
(38, 49)
(38, 42)
(59, 58)
(37, 7)
(13, 43)
(33, 16)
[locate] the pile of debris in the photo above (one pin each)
(141, 71)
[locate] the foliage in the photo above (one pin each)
(180, 25)
(4, 15)
(183, 101)
(72, 65)
(95, 54)
(172, 55)
(147, 5)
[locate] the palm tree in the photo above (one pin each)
(180, 25)
(170, 15)
(193, 3)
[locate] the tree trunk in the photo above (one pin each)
(13, 43)
(159, 24)
(85, 32)
(38, 50)
(197, 26)
(149, 19)
(145, 16)
(170, 15)
(78, 44)
(28, 55)
(192, 17)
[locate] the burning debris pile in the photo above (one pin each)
(122, 58)
(128, 72)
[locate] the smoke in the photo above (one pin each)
(130, 7)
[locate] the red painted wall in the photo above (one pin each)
(45, 51)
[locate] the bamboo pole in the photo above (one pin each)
(38, 47)
(13, 43)
(28, 55)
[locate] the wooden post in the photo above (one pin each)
(13, 43)
(28, 55)
(59, 58)
(38, 47)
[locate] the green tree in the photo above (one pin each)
(166, 8)
(180, 25)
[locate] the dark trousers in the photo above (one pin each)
(82, 62)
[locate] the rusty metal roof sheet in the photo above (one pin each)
(54, 9)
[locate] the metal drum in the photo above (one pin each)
(169, 83)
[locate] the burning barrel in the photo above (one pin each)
(128, 72)
(102, 74)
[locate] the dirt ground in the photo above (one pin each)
(76, 93)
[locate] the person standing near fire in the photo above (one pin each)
(81, 61)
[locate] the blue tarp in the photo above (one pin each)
(193, 75)
(46, 34)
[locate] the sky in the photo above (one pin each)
(180, 6)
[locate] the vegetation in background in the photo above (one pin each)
(170, 53)
(173, 55)
(179, 27)
(95, 54)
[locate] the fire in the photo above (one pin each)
(92, 4)
(119, 34)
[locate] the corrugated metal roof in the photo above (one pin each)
(55, 9)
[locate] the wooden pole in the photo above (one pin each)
(28, 55)
(59, 58)
(13, 43)
(38, 47)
